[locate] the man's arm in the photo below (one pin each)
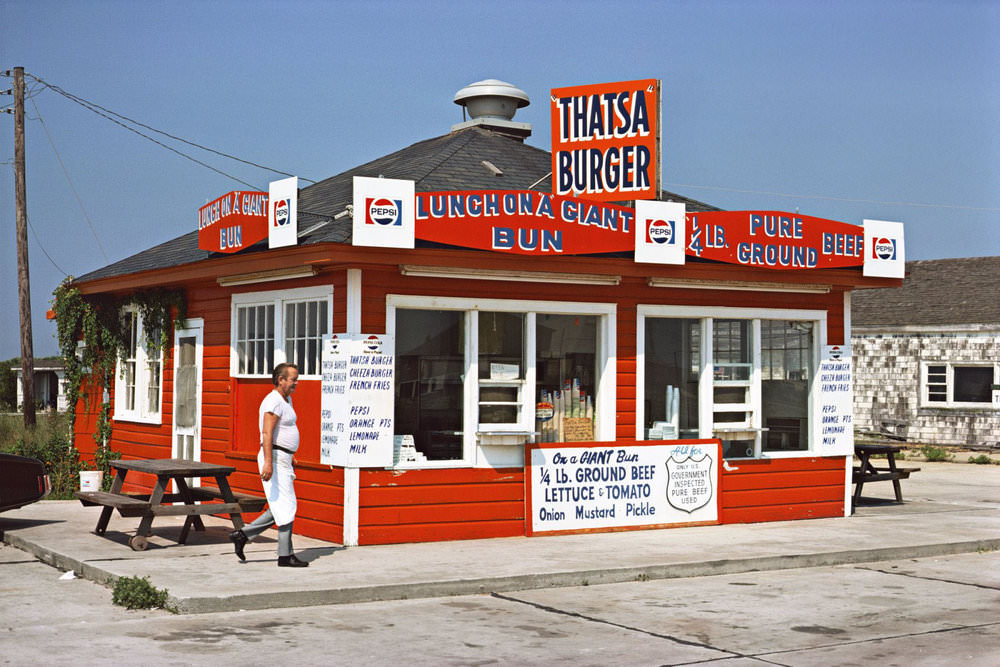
(266, 440)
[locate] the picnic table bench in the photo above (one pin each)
(867, 471)
(195, 501)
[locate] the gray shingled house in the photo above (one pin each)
(927, 356)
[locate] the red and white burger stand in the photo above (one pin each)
(489, 345)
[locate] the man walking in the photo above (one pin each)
(279, 440)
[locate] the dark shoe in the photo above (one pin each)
(291, 561)
(239, 540)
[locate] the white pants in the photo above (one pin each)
(279, 489)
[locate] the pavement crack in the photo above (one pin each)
(594, 619)
(910, 575)
(858, 642)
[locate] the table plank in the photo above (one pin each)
(173, 467)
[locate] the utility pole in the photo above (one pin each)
(23, 291)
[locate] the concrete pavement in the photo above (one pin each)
(950, 508)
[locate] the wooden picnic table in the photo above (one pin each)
(867, 471)
(161, 503)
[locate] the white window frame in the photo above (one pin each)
(925, 402)
(474, 432)
(705, 393)
(141, 412)
(277, 298)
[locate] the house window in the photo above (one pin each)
(306, 322)
(488, 371)
(138, 382)
(278, 326)
(954, 385)
(727, 373)
(255, 339)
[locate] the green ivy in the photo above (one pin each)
(102, 322)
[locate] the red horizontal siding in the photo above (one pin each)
(432, 505)
(782, 489)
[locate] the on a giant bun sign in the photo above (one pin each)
(232, 222)
(605, 140)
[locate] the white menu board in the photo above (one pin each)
(836, 414)
(614, 486)
(356, 421)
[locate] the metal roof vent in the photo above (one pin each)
(491, 104)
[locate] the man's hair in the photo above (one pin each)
(280, 371)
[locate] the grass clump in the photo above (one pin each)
(50, 443)
(982, 459)
(932, 453)
(138, 593)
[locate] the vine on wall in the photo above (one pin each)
(103, 323)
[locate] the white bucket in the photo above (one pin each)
(90, 480)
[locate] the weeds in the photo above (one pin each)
(49, 442)
(932, 453)
(982, 459)
(138, 593)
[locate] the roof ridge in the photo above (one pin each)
(455, 149)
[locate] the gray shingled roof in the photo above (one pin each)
(937, 292)
(450, 162)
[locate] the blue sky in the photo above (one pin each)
(841, 110)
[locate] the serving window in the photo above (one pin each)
(741, 375)
(497, 372)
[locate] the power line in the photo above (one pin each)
(70, 181)
(108, 113)
(158, 143)
(830, 198)
(42, 248)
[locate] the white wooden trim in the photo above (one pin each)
(848, 484)
(352, 492)
(353, 301)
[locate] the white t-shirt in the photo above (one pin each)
(286, 433)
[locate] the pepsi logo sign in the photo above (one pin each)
(659, 231)
(335, 345)
(373, 345)
(281, 213)
(836, 352)
(382, 211)
(883, 248)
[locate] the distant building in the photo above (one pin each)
(927, 356)
(50, 385)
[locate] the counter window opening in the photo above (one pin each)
(743, 376)
(477, 376)
(138, 382)
(278, 326)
